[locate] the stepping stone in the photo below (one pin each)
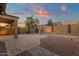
(24, 53)
(3, 50)
(39, 51)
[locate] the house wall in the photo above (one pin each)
(6, 31)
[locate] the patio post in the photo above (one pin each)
(16, 29)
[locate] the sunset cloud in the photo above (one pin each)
(40, 11)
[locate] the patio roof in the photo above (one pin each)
(7, 18)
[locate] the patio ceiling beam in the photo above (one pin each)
(6, 21)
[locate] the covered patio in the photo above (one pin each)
(9, 25)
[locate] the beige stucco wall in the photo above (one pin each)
(47, 29)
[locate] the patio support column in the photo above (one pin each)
(16, 29)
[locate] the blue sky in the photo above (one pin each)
(44, 11)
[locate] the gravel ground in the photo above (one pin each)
(63, 46)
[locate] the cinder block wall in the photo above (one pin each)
(75, 29)
(63, 29)
(22, 30)
(25, 30)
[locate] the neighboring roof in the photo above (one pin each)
(10, 17)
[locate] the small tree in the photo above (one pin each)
(36, 24)
(50, 22)
(29, 23)
(32, 23)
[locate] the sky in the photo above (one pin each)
(44, 11)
